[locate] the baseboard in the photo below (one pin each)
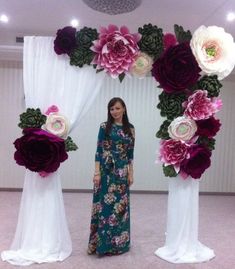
(132, 191)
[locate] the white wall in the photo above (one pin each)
(141, 97)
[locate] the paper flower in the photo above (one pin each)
(176, 69)
(200, 107)
(197, 162)
(39, 150)
(172, 151)
(214, 50)
(182, 128)
(169, 40)
(115, 50)
(65, 40)
(208, 128)
(142, 65)
(57, 124)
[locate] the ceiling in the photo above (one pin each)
(44, 17)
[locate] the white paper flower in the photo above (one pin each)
(182, 128)
(214, 50)
(142, 65)
(57, 125)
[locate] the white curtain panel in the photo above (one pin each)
(182, 245)
(42, 233)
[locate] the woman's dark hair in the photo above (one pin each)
(110, 119)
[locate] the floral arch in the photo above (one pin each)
(187, 67)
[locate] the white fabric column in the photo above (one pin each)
(42, 233)
(182, 245)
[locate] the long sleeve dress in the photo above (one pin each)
(110, 220)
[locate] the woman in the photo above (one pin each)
(110, 221)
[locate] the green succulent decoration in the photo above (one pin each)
(170, 105)
(163, 130)
(70, 145)
(82, 54)
(211, 84)
(151, 41)
(32, 118)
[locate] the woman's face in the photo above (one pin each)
(117, 111)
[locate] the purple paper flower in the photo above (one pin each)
(177, 69)
(208, 128)
(65, 40)
(39, 150)
(197, 162)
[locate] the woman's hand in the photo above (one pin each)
(96, 179)
(130, 179)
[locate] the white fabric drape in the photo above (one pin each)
(182, 245)
(42, 233)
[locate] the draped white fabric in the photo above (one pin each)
(182, 244)
(42, 233)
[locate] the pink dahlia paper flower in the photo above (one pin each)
(182, 128)
(200, 107)
(115, 50)
(142, 65)
(172, 151)
(214, 49)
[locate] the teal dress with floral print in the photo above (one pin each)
(110, 220)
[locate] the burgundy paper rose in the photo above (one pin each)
(208, 128)
(65, 40)
(197, 163)
(39, 150)
(177, 69)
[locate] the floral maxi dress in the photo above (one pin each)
(110, 220)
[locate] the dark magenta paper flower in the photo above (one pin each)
(197, 163)
(208, 128)
(65, 40)
(176, 69)
(39, 150)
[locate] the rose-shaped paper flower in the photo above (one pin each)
(52, 109)
(57, 125)
(177, 69)
(65, 40)
(200, 107)
(214, 50)
(172, 151)
(115, 50)
(142, 65)
(182, 128)
(208, 128)
(197, 163)
(39, 150)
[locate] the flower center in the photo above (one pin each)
(57, 125)
(212, 50)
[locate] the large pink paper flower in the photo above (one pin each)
(172, 151)
(115, 50)
(200, 107)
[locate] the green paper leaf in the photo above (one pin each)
(181, 34)
(169, 171)
(121, 77)
(70, 145)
